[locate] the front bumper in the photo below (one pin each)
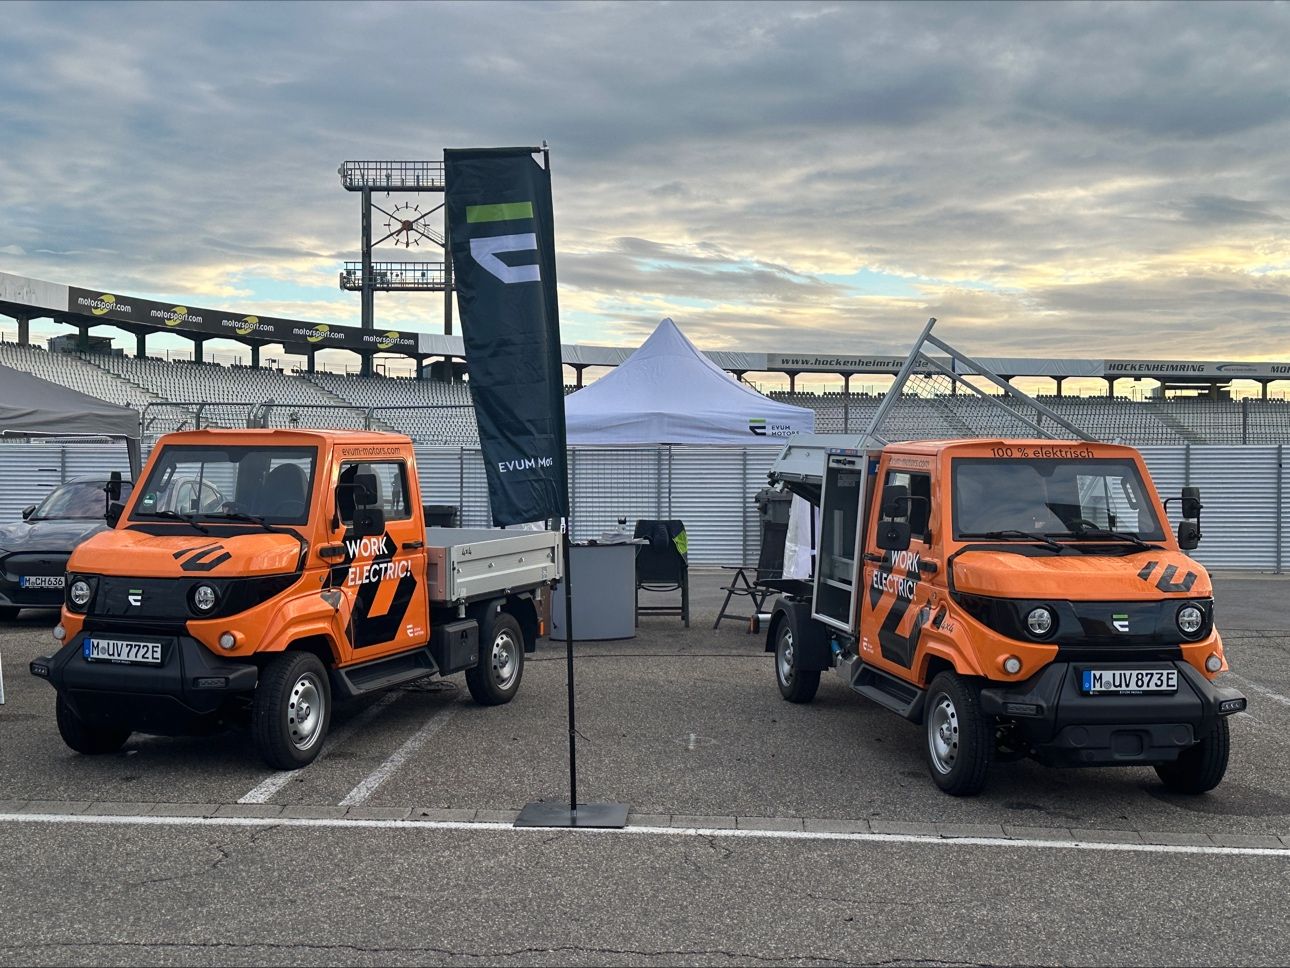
(189, 691)
(1064, 727)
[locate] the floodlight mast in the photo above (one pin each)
(962, 366)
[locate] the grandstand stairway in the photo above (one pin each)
(1177, 426)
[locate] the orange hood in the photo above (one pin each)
(1141, 576)
(136, 554)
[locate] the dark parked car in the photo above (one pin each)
(34, 552)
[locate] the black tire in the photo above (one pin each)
(1200, 768)
(8, 614)
(959, 740)
(795, 684)
(84, 738)
(290, 683)
(495, 679)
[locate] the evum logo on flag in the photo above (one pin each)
(487, 249)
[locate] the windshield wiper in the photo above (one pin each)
(243, 516)
(190, 520)
(1107, 533)
(1012, 534)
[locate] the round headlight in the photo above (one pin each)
(204, 598)
(1040, 621)
(1190, 619)
(80, 593)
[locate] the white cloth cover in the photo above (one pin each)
(797, 538)
(667, 392)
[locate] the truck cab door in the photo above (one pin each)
(382, 575)
(844, 492)
(897, 598)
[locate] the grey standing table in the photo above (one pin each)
(604, 593)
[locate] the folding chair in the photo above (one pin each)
(661, 566)
(770, 564)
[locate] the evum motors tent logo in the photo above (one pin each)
(761, 427)
(486, 250)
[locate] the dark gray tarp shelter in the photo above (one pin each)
(32, 407)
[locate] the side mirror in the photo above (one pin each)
(1188, 534)
(114, 512)
(28, 511)
(893, 535)
(1191, 505)
(365, 490)
(114, 486)
(368, 522)
(895, 501)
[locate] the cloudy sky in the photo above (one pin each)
(1064, 180)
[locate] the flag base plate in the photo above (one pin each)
(588, 815)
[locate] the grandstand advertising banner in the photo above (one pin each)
(503, 254)
(114, 308)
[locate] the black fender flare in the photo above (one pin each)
(811, 639)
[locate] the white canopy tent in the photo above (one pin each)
(667, 392)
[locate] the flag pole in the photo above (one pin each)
(538, 813)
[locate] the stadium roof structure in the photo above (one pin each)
(25, 299)
(32, 407)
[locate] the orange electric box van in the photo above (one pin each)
(256, 575)
(1014, 598)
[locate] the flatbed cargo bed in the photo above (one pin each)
(467, 564)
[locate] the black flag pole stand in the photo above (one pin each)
(540, 813)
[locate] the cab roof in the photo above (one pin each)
(259, 435)
(973, 445)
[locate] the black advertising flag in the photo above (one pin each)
(503, 255)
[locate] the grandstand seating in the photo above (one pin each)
(438, 412)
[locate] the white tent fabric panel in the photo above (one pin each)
(667, 392)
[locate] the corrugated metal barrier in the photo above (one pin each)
(711, 489)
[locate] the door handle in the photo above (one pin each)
(413, 545)
(876, 559)
(929, 566)
(331, 551)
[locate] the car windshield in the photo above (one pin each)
(1070, 499)
(273, 483)
(77, 500)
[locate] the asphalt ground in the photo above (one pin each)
(760, 831)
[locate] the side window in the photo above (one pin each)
(920, 502)
(391, 489)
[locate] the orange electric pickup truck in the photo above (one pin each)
(1014, 598)
(256, 575)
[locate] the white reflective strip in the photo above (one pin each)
(433, 825)
(276, 781)
(373, 780)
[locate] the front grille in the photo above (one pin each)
(35, 563)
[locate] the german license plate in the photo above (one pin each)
(1129, 681)
(118, 650)
(41, 581)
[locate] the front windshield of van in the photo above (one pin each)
(210, 482)
(1058, 498)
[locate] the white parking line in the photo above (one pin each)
(1282, 853)
(1261, 690)
(276, 781)
(369, 784)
